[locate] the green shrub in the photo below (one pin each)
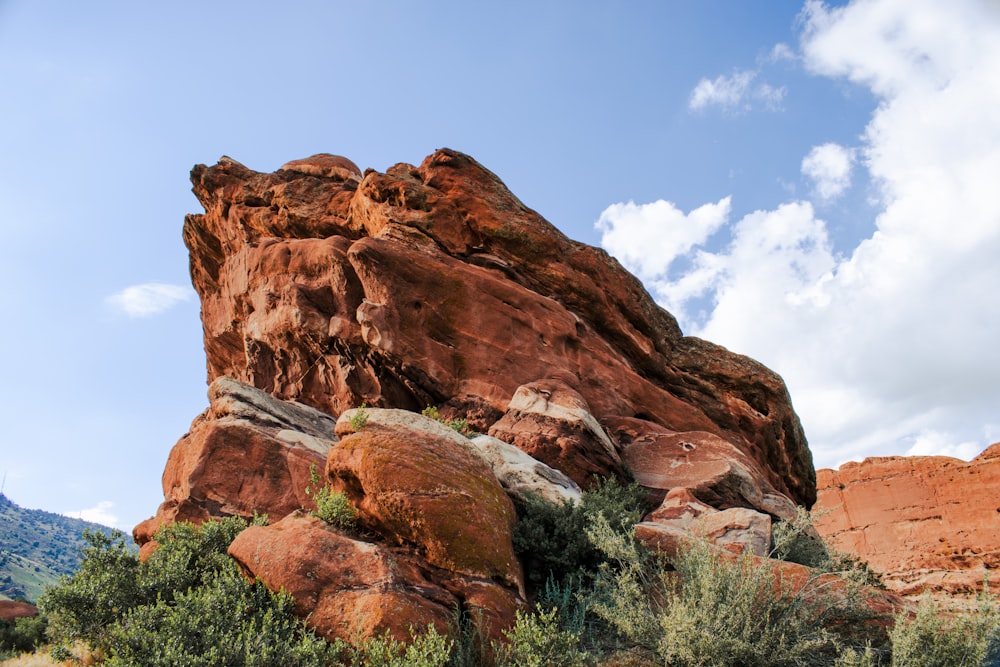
(460, 425)
(331, 506)
(716, 611)
(426, 649)
(84, 606)
(552, 540)
(537, 640)
(21, 634)
(188, 604)
(360, 418)
(225, 621)
(932, 638)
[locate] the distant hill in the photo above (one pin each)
(36, 548)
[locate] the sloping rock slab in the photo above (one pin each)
(248, 453)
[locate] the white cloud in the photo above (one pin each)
(149, 299)
(736, 93)
(100, 514)
(890, 348)
(648, 237)
(829, 168)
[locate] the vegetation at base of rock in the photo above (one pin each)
(709, 609)
(21, 635)
(36, 548)
(552, 540)
(189, 603)
(331, 506)
(797, 541)
(934, 638)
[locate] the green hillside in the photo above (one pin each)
(36, 548)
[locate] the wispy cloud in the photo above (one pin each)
(101, 514)
(890, 347)
(738, 92)
(149, 299)
(828, 166)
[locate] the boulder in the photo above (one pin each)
(419, 483)
(551, 421)
(343, 587)
(736, 529)
(522, 475)
(714, 470)
(247, 454)
(925, 523)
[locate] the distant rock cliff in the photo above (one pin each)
(324, 288)
(926, 523)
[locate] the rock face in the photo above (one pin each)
(324, 288)
(434, 285)
(248, 453)
(924, 522)
(11, 610)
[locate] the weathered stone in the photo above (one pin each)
(712, 469)
(522, 475)
(343, 587)
(735, 529)
(434, 285)
(551, 421)
(417, 482)
(248, 453)
(926, 523)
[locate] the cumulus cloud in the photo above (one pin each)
(828, 166)
(101, 514)
(149, 299)
(891, 347)
(736, 93)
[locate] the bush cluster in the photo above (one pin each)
(604, 599)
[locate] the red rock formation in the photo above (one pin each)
(347, 588)
(923, 522)
(326, 287)
(248, 453)
(549, 420)
(417, 482)
(11, 610)
(435, 285)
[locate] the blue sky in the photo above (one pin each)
(810, 184)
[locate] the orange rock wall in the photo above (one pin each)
(923, 522)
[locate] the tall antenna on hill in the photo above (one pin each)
(4, 483)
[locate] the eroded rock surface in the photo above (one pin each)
(324, 288)
(247, 453)
(434, 285)
(924, 522)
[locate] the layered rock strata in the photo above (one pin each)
(925, 523)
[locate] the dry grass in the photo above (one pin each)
(81, 656)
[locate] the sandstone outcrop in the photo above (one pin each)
(247, 453)
(11, 610)
(324, 288)
(416, 481)
(551, 421)
(925, 523)
(434, 285)
(349, 588)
